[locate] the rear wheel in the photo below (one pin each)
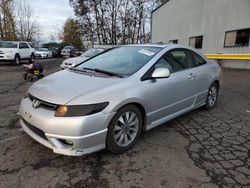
(16, 60)
(212, 96)
(124, 129)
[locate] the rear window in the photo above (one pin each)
(68, 47)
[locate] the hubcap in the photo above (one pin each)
(17, 60)
(212, 96)
(126, 129)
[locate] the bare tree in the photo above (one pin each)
(7, 22)
(27, 25)
(115, 21)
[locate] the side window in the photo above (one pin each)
(162, 63)
(20, 45)
(178, 59)
(198, 60)
(25, 45)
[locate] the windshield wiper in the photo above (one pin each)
(105, 72)
(79, 70)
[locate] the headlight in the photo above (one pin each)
(80, 110)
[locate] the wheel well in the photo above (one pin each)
(217, 82)
(17, 55)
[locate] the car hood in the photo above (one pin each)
(7, 49)
(75, 60)
(63, 86)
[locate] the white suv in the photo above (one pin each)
(16, 51)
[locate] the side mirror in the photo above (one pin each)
(161, 73)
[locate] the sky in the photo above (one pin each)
(51, 15)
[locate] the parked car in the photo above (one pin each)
(16, 51)
(108, 100)
(77, 53)
(68, 51)
(54, 52)
(70, 62)
(44, 53)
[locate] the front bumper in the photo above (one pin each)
(6, 57)
(40, 56)
(65, 53)
(86, 134)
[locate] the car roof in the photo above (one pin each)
(150, 45)
(13, 41)
(163, 46)
(170, 46)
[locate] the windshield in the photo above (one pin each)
(68, 47)
(43, 49)
(5, 44)
(123, 61)
(92, 52)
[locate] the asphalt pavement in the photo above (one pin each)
(199, 149)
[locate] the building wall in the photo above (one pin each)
(181, 19)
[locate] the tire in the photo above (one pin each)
(124, 129)
(16, 60)
(212, 96)
(47, 56)
(31, 59)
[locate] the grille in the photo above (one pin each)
(43, 103)
(35, 130)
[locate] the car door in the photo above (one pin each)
(26, 50)
(176, 93)
(21, 51)
(200, 68)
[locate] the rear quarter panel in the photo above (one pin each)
(208, 74)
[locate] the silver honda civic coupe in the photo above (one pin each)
(107, 101)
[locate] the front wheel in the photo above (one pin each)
(16, 60)
(124, 129)
(212, 96)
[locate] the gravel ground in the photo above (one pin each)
(199, 149)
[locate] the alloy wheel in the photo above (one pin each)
(17, 60)
(212, 96)
(126, 129)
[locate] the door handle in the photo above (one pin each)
(191, 76)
